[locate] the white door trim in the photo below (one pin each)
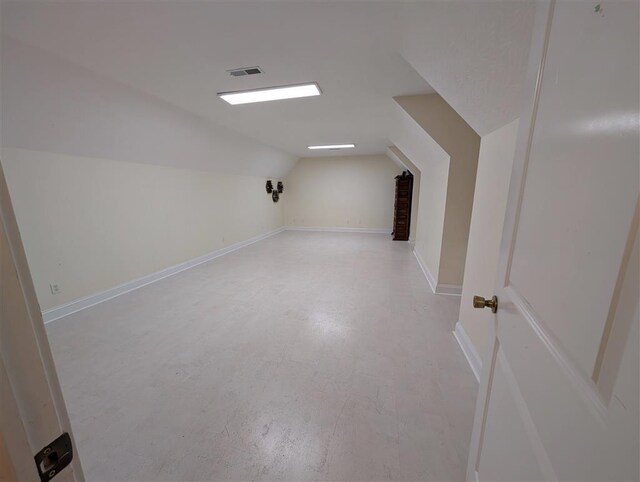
(531, 91)
(13, 431)
(26, 357)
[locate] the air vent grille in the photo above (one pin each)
(245, 71)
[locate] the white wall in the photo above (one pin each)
(52, 105)
(479, 73)
(90, 224)
(344, 192)
(405, 163)
(433, 163)
(489, 206)
(462, 143)
(445, 149)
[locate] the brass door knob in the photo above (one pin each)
(480, 302)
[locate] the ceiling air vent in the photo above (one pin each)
(245, 71)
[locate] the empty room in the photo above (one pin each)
(320, 240)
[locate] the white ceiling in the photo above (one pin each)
(362, 54)
(473, 53)
(179, 52)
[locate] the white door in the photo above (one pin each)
(32, 410)
(559, 392)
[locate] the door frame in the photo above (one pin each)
(535, 67)
(33, 411)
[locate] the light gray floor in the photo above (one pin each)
(304, 356)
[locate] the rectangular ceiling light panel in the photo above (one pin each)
(333, 146)
(271, 93)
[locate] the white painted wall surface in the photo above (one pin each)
(50, 104)
(489, 206)
(445, 126)
(90, 224)
(341, 192)
(433, 136)
(32, 408)
(433, 163)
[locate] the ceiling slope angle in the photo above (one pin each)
(52, 105)
(473, 53)
(181, 52)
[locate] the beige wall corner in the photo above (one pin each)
(489, 205)
(355, 192)
(461, 143)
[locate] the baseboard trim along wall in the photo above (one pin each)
(427, 274)
(454, 290)
(339, 230)
(92, 300)
(439, 289)
(470, 352)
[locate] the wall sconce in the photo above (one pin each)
(275, 193)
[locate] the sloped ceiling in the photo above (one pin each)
(52, 105)
(473, 53)
(179, 51)
(362, 54)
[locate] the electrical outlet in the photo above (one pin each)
(55, 289)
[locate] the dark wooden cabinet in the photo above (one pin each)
(402, 209)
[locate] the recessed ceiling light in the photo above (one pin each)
(333, 146)
(271, 93)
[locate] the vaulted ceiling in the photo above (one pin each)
(361, 53)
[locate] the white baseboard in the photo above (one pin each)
(453, 290)
(92, 300)
(427, 274)
(470, 352)
(339, 230)
(437, 288)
